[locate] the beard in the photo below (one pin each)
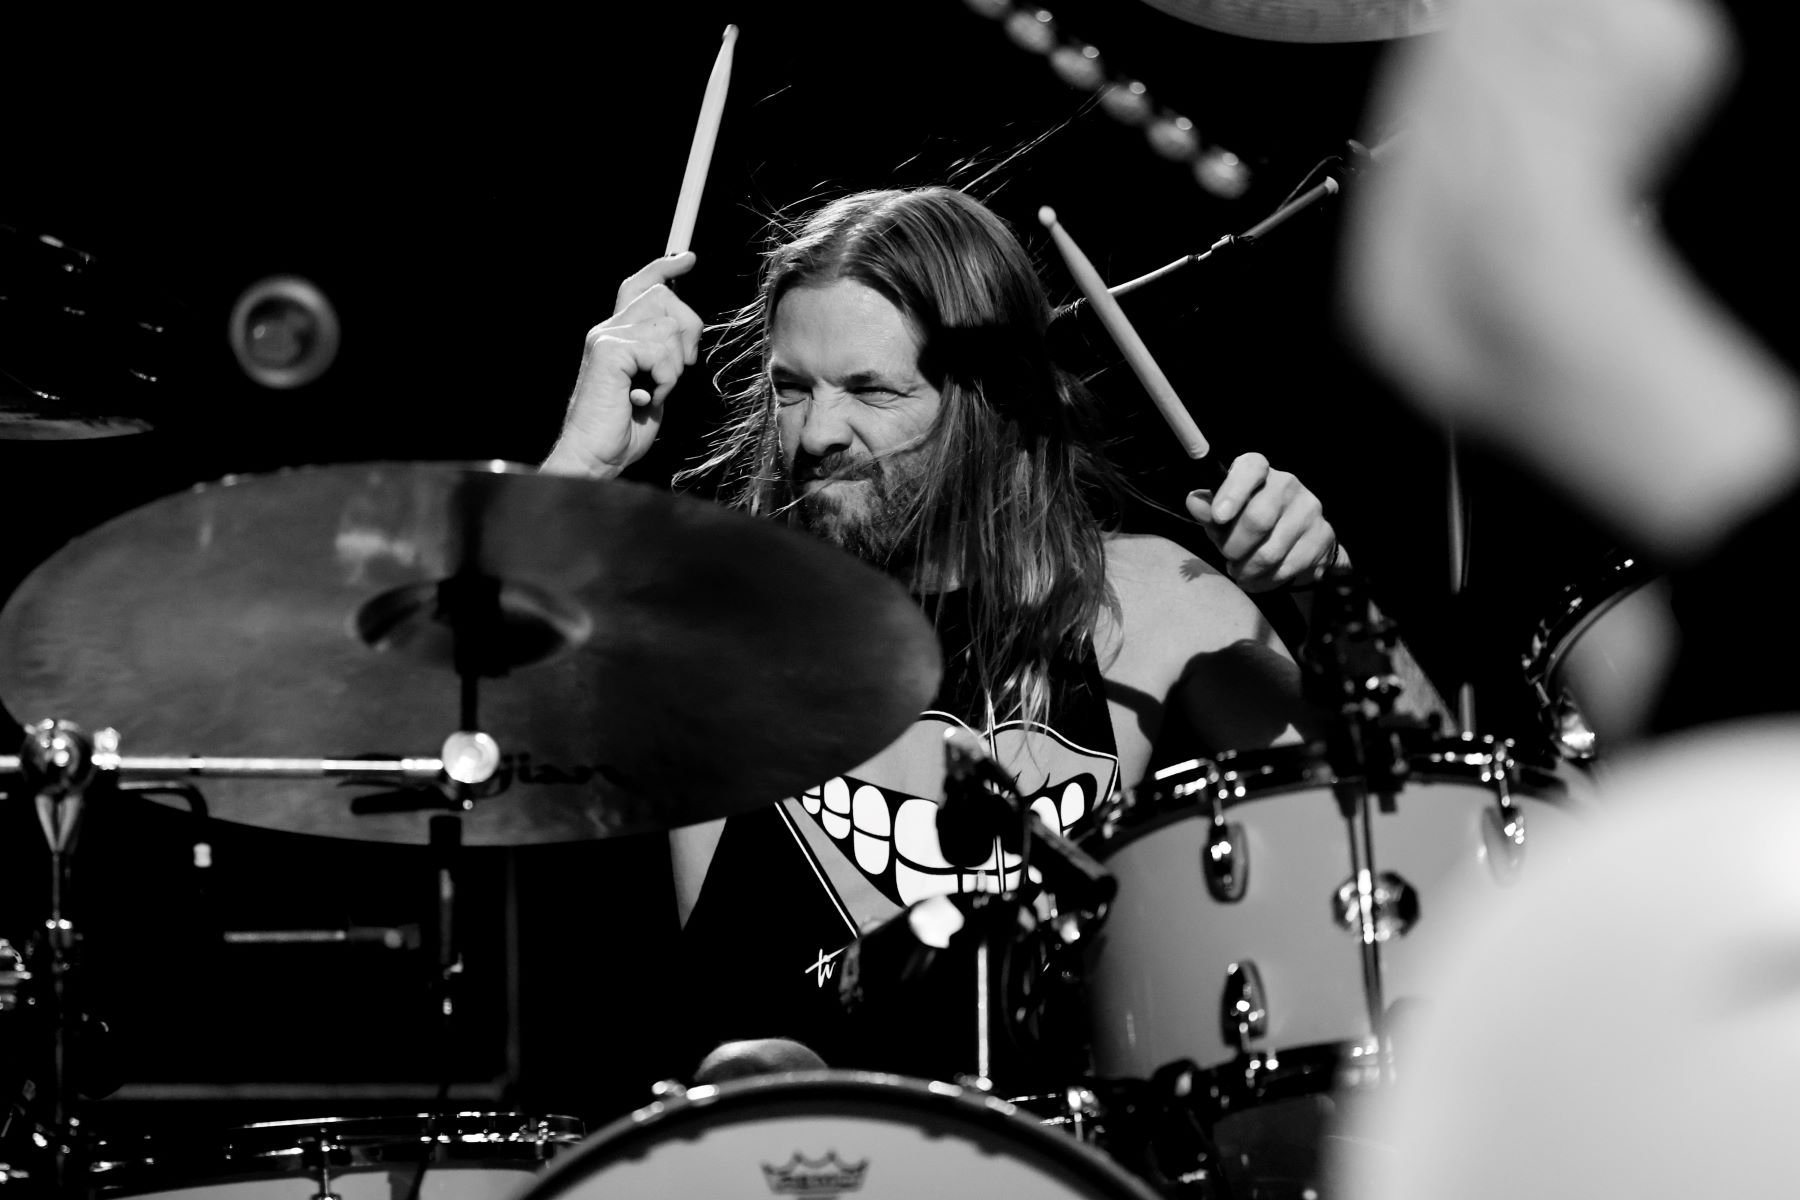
(870, 514)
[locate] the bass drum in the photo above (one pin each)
(467, 1156)
(829, 1133)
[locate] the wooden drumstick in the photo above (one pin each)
(693, 182)
(1137, 355)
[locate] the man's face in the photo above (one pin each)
(852, 411)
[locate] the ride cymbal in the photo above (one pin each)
(1313, 20)
(643, 660)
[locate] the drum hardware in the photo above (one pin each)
(57, 766)
(318, 1152)
(1226, 861)
(1503, 826)
(1225, 858)
(15, 976)
(1393, 902)
(1349, 666)
(1075, 1109)
(64, 768)
(1244, 1006)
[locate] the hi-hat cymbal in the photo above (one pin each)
(649, 660)
(1313, 20)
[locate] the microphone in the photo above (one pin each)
(978, 808)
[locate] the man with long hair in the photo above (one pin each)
(895, 394)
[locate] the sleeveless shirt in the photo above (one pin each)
(792, 886)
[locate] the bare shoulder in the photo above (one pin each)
(1183, 641)
(1162, 586)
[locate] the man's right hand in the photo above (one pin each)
(610, 424)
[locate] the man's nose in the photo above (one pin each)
(825, 426)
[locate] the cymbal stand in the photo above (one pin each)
(58, 765)
(62, 767)
(1350, 668)
(469, 603)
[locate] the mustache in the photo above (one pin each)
(839, 464)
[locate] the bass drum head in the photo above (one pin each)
(828, 1133)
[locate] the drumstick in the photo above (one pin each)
(1137, 355)
(693, 182)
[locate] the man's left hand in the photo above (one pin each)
(1269, 526)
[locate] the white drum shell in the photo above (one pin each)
(1158, 966)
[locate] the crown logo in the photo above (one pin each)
(821, 1177)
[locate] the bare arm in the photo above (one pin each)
(610, 424)
(1185, 643)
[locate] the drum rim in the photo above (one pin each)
(1277, 770)
(1579, 606)
(790, 1092)
(258, 1150)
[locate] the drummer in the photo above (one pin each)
(905, 407)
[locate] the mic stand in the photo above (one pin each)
(1350, 670)
(1067, 873)
(469, 603)
(1328, 186)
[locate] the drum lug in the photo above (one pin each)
(1244, 1007)
(1226, 861)
(1503, 836)
(1503, 826)
(1396, 904)
(1570, 733)
(325, 1147)
(15, 977)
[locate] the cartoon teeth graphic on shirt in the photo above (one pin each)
(883, 816)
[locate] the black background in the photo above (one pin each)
(468, 186)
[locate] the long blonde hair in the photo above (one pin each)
(1012, 467)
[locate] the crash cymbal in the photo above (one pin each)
(644, 660)
(84, 351)
(1313, 20)
(30, 413)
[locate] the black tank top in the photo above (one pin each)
(791, 886)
